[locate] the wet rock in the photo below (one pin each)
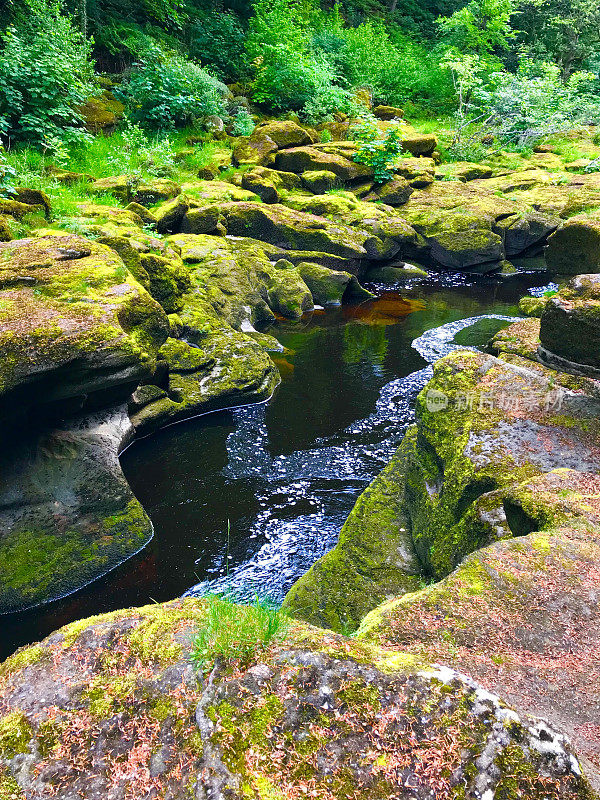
(330, 287)
(570, 323)
(575, 247)
(67, 514)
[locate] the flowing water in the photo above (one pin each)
(248, 499)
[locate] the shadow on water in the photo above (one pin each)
(283, 476)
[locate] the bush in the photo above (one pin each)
(378, 153)
(243, 124)
(533, 103)
(45, 76)
(234, 632)
(164, 90)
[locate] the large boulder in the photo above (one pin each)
(570, 324)
(285, 133)
(256, 149)
(395, 192)
(67, 514)
(419, 172)
(111, 707)
(330, 287)
(575, 247)
(309, 159)
(294, 230)
(269, 183)
(74, 324)
(374, 559)
(419, 144)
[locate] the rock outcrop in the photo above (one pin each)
(111, 707)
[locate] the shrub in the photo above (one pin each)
(376, 152)
(524, 107)
(164, 90)
(232, 632)
(45, 75)
(243, 124)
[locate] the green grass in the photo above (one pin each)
(232, 632)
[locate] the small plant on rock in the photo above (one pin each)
(233, 632)
(377, 152)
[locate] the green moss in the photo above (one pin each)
(9, 788)
(15, 734)
(23, 658)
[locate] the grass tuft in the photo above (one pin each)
(232, 632)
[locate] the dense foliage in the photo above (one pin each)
(515, 70)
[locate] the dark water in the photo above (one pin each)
(250, 498)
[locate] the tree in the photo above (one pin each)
(566, 32)
(482, 27)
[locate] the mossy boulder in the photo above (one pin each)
(18, 210)
(464, 171)
(330, 287)
(313, 712)
(388, 112)
(563, 201)
(74, 323)
(483, 425)
(521, 338)
(395, 192)
(285, 133)
(520, 614)
(223, 368)
(67, 514)
(155, 191)
(5, 229)
(319, 181)
(269, 183)
(373, 560)
(207, 192)
(522, 233)
(143, 213)
(419, 172)
(169, 215)
(120, 186)
(202, 220)
(258, 148)
(102, 113)
(570, 323)
(419, 144)
(308, 159)
(33, 197)
(293, 230)
(575, 247)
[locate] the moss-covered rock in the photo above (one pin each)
(169, 215)
(373, 560)
(570, 323)
(394, 192)
(388, 112)
(464, 171)
(419, 172)
(520, 615)
(269, 183)
(67, 515)
(155, 191)
(122, 186)
(73, 322)
(521, 338)
(309, 159)
(330, 287)
(256, 149)
(575, 247)
(5, 230)
(285, 133)
(313, 712)
(419, 144)
(319, 181)
(102, 113)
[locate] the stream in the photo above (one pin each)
(247, 499)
